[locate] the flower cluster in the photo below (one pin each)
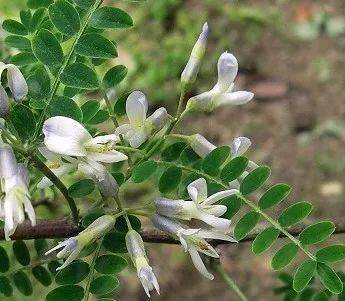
(15, 201)
(200, 207)
(17, 85)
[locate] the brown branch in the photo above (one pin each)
(64, 228)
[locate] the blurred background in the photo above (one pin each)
(292, 56)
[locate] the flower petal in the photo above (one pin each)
(136, 137)
(211, 234)
(107, 157)
(221, 224)
(158, 119)
(8, 162)
(4, 105)
(201, 145)
(198, 190)
(199, 265)
(227, 71)
(234, 98)
(136, 108)
(105, 139)
(65, 136)
(216, 210)
(239, 146)
(219, 196)
(16, 82)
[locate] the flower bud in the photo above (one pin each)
(191, 70)
(158, 119)
(8, 162)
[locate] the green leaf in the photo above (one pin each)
(23, 121)
(121, 224)
(173, 151)
(91, 217)
(234, 169)
(66, 292)
(18, 42)
(21, 252)
(22, 283)
(233, 204)
(52, 266)
(47, 49)
(170, 179)
(14, 27)
(41, 246)
(303, 275)
(120, 105)
(25, 17)
(84, 3)
(295, 213)
(23, 59)
(96, 46)
(144, 171)
(114, 76)
(115, 242)
(188, 156)
(5, 286)
(274, 195)
(246, 224)
(110, 17)
(42, 275)
(37, 19)
(64, 17)
(64, 106)
(74, 273)
(34, 4)
(81, 188)
(255, 179)
(284, 256)
(265, 240)
(316, 233)
(101, 116)
(78, 75)
(39, 84)
(332, 253)
(103, 285)
(4, 261)
(214, 160)
(110, 264)
(329, 278)
(89, 109)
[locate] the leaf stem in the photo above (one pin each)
(92, 271)
(231, 283)
(56, 82)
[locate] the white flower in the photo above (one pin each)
(72, 247)
(16, 201)
(221, 94)
(65, 136)
(101, 176)
(201, 207)
(136, 250)
(15, 80)
(191, 70)
(192, 240)
(200, 145)
(140, 128)
(59, 165)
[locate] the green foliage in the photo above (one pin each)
(255, 179)
(170, 179)
(76, 272)
(4, 260)
(96, 46)
(81, 188)
(274, 195)
(234, 169)
(42, 275)
(295, 213)
(70, 292)
(284, 256)
(264, 240)
(110, 264)
(21, 251)
(104, 284)
(316, 233)
(246, 224)
(110, 17)
(304, 274)
(79, 75)
(215, 159)
(144, 171)
(114, 76)
(333, 253)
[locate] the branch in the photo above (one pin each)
(64, 228)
